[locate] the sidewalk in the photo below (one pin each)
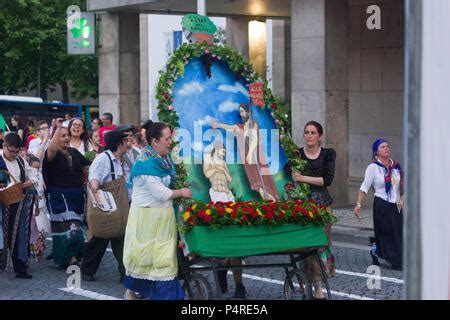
(350, 229)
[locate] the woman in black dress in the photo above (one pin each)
(319, 175)
(63, 169)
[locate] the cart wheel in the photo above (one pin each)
(197, 287)
(297, 286)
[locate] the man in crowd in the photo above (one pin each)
(107, 120)
(39, 144)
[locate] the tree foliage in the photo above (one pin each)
(33, 37)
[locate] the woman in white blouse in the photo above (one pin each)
(386, 177)
(149, 254)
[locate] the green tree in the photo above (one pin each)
(33, 50)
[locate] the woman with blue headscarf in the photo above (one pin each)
(386, 177)
(149, 254)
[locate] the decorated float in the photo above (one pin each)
(232, 141)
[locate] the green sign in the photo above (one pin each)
(80, 34)
(2, 122)
(82, 30)
(196, 23)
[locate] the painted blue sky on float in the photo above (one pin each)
(198, 100)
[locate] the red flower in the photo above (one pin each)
(274, 106)
(166, 96)
(253, 213)
(244, 218)
(201, 214)
(280, 215)
(181, 245)
(190, 220)
(269, 215)
(220, 211)
(208, 219)
(234, 213)
(285, 206)
(294, 215)
(289, 186)
(273, 206)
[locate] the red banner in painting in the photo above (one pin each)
(257, 93)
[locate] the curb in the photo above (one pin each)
(353, 235)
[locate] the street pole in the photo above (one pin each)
(201, 7)
(413, 75)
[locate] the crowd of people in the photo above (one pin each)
(59, 163)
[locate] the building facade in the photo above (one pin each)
(324, 60)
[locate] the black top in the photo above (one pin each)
(65, 171)
(323, 167)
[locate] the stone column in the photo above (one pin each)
(278, 58)
(320, 79)
(145, 95)
(119, 73)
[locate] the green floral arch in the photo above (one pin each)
(237, 63)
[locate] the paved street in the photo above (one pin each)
(49, 283)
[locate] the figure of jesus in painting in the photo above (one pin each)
(255, 165)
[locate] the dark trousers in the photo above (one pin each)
(18, 265)
(94, 251)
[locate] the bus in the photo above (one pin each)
(34, 109)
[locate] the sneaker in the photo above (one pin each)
(222, 276)
(240, 292)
